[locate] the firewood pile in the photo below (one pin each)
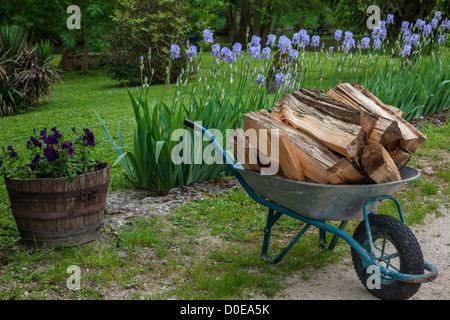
(344, 136)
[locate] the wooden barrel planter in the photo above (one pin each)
(54, 212)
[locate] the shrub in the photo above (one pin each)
(137, 26)
(25, 71)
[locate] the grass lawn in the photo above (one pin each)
(203, 250)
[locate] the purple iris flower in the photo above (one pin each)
(415, 39)
(254, 46)
(256, 40)
(284, 43)
(192, 51)
(296, 38)
(260, 79)
(374, 33)
(304, 39)
(271, 40)
(365, 43)
(255, 52)
(437, 15)
(293, 54)
(441, 38)
(405, 25)
(207, 36)
(265, 53)
(215, 49)
(427, 29)
(349, 44)
(377, 44)
(175, 51)
(226, 55)
(315, 41)
(331, 49)
(420, 24)
(338, 35)
(348, 35)
(279, 79)
(406, 50)
(434, 22)
(390, 19)
(237, 50)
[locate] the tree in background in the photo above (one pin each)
(262, 17)
(45, 19)
(352, 13)
(259, 16)
(139, 25)
(96, 18)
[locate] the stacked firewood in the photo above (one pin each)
(345, 136)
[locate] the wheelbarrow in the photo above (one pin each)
(386, 255)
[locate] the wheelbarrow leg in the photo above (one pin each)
(323, 240)
(272, 218)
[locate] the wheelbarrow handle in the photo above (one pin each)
(189, 123)
(229, 162)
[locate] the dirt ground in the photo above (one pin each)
(340, 282)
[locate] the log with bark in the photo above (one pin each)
(344, 136)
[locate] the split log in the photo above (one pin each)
(400, 157)
(245, 154)
(386, 131)
(378, 164)
(283, 153)
(315, 158)
(319, 100)
(371, 96)
(397, 114)
(345, 172)
(340, 136)
(409, 140)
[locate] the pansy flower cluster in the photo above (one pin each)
(50, 155)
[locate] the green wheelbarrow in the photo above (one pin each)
(386, 255)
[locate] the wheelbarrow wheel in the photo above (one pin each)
(397, 249)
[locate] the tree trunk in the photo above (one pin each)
(245, 22)
(257, 17)
(64, 57)
(232, 12)
(85, 64)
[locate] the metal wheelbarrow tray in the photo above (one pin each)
(386, 255)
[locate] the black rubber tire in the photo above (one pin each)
(409, 252)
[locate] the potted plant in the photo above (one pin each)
(56, 190)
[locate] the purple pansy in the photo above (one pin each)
(89, 137)
(50, 153)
